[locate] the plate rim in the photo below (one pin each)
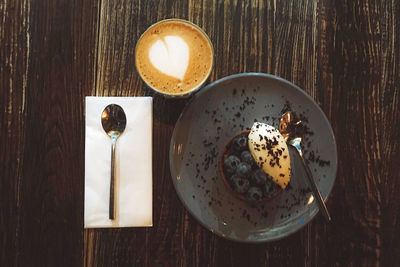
(233, 77)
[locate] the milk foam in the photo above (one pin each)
(170, 56)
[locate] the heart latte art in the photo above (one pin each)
(170, 56)
(174, 57)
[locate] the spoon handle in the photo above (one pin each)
(321, 204)
(316, 193)
(111, 207)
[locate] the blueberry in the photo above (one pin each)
(258, 177)
(240, 143)
(246, 156)
(240, 184)
(230, 164)
(254, 194)
(270, 188)
(243, 169)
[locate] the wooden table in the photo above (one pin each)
(53, 53)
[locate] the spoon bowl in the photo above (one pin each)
(113, 120)
(288, 125)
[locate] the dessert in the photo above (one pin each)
(269, 149)
(255, 164)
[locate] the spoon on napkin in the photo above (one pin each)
(288, 125)
(113, 120)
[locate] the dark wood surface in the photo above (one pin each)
(53, 53)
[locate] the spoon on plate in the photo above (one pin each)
(287, 127)
(113, 120)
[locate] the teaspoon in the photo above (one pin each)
(287, 127)
(113, 120)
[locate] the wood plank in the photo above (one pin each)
(62, 44)
(121, 25)
(364, 59)
(14, 62)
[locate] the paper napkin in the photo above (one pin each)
(133, 176)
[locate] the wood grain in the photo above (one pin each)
(14, 59)
(47, 69)
(53, 53)
(366, 59)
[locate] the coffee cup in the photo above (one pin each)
(174, 57)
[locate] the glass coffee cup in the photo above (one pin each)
(174, 57)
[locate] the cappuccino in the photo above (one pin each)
(174, 57)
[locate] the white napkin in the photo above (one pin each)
(133, 176)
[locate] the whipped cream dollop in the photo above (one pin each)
(270, 151)
(170, 55)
